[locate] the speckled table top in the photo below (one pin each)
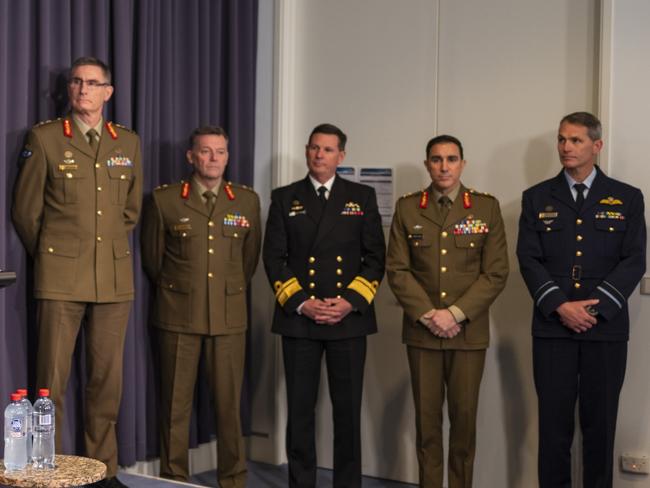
(69, 471)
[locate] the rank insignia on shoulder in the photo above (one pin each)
(185, 190)
(471, 226)
(352, 208)
(424, 199)
(611, 201)
(26, 153)
(229, 193)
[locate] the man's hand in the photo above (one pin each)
(441, 323)
(329, 311)
(574, 315)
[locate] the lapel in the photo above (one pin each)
(107, 144)
(332, 211)
(457, 211)
(431, 212)
(599, 188)
(78, 140)
(306, 195)
(222, 203)
(560, 191)
(195, 202)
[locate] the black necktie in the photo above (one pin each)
(445, 205)
(580, 199)
(322, 190)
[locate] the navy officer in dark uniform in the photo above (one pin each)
(581, 250)
(324, 256)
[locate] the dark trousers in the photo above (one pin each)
(105, 331)
(345, 361)
(592, 373)
(224, 368)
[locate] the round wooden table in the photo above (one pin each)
(69, 471)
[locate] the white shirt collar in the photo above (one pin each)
(317, 184)
(589, 180)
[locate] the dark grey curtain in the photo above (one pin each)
(176, 64)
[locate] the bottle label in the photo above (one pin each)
(17, 428)
(45, 419)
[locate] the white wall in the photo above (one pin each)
(497, 74)
(629, 107)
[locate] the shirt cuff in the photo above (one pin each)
(458, 314)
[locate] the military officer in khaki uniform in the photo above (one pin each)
(200, 246)
(447, 262)
(76, 199)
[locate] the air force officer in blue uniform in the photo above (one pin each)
(581, 249)
(324, 255)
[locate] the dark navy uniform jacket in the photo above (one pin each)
(596, 252)
(340, 254)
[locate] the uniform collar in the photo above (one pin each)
(84, 128)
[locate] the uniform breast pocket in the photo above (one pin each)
(551, 237)
(67, 185)
(179, 243)
(234, 238)
(609, 235)
(120, 178)
(469, 248)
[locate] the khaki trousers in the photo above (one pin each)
(179, 361)
(458, 374)
(105, 330)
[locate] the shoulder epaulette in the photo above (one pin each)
(413, 193)
(45, 122)
(481, 193)
(240, 186)
(123, 127)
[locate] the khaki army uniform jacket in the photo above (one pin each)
(201, 264)
(435, 263)
(73, 211)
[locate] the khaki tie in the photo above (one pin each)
(209, 201)
(92, 139)
(445, 205)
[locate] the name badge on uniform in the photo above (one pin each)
(548, 215)
(296, 209)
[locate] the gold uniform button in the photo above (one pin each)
(312, 259)
(99, 188)
(471, 244)
(443, 251)
(235, 235)
(68, 175)
(548, 229)
(312, 272)
(339, 271)
(184, 234)
(444, 233)
(312, 285)
(97, 165)
(99, 212)
(611, 229)
(210, 224)
(99, 239)
(171, 285)
(339, 284)
(443, 294)
(416, 243)
(210, 237)
(578, 221)
(50, 249)
(578, 253)
(576, 285)
(210, 275)
(339, 259)
(443, 269)
(578, 238)
(313, 297)
(211, 251)
(122, 177)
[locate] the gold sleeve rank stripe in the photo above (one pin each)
(364, 288)
(284, 291)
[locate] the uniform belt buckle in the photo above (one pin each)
(576, 272)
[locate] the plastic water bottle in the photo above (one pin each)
(30, 414)
(43, 449)
(15, 435)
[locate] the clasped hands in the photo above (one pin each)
(328, 311)
(575, 316)
(441, 323)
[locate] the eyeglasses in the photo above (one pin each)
(90, 84)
